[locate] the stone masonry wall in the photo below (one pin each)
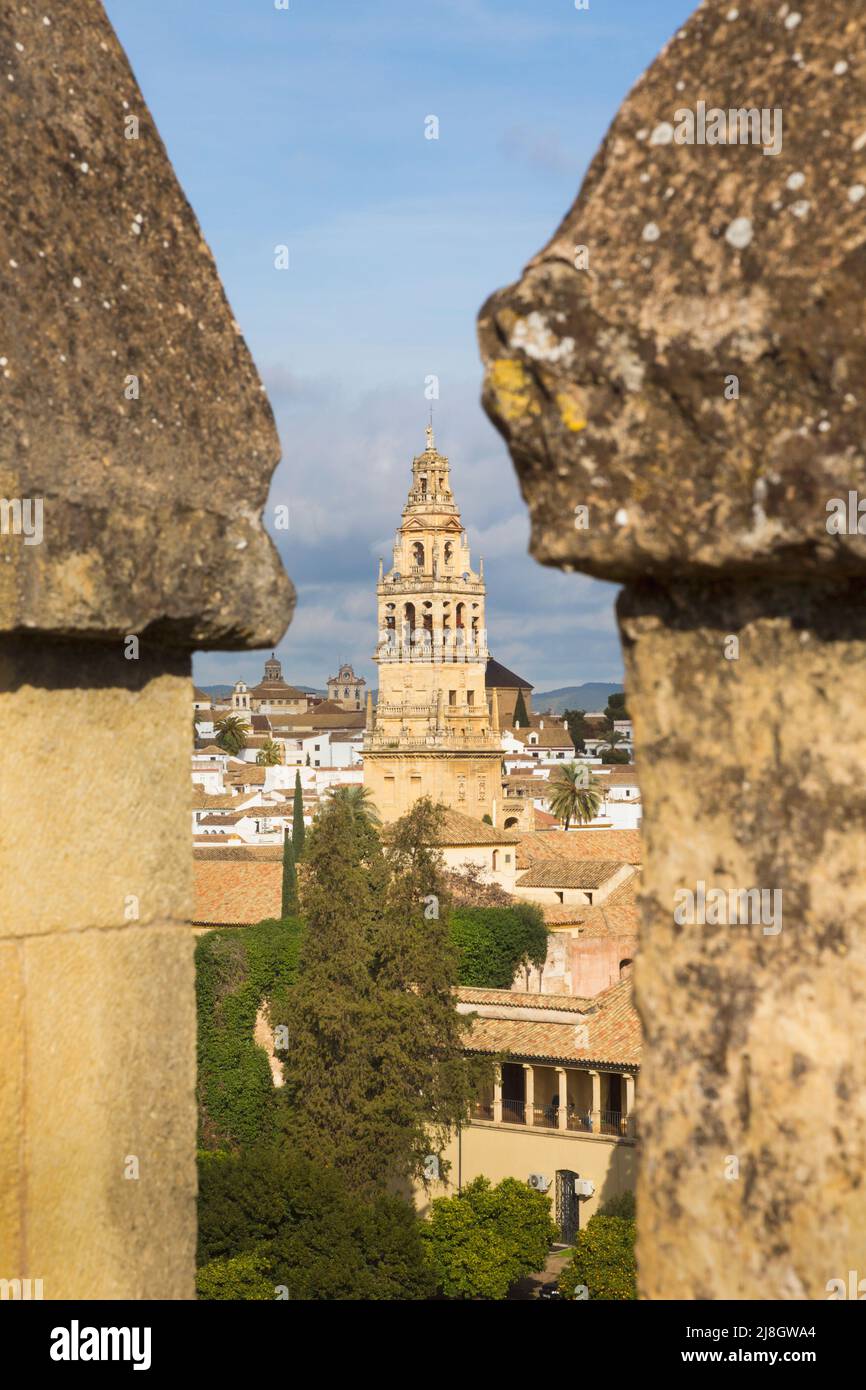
(136, 448)
(679, 377)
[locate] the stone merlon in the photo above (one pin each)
(680, 266)
(131, 412)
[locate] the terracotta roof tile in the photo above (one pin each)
(522, 999)
(232, 893)
(568, 873)
(544, 738)
(622, 846)
(612, 1024)
(458, 829)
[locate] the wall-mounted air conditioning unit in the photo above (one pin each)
(538, 1181)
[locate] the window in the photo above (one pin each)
(470, 697)
(561, 897)
(452, 697)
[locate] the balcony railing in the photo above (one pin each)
(445, 582)
(483, 740)
(514, 1112)
(613, 1123)
(431, 711)
(398, 649)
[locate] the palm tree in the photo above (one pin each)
(575, 795)
(269, 754)
(359, 800)
(611, 739)
(231, 734)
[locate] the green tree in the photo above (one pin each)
(376, 1077)
(520, 715)
(231, 734)
(481, 1242)
(616, 708)
(575, 795)
(615, 755)
(612, 738)
(270, 1220)
(576, 721)
(289, 905)
(623, 1206)
(299, 830)
(270, 754)
(494, 942)
(359, 800)
(240, 1277)
(603, 1262)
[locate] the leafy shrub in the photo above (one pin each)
(622, 1206)
(268, 1219)
(481, 1242)
(603, 1260)
(236, 969)
(493, 942)
(243, 1277)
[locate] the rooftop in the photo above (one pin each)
(620, 846)
(568, 873)
(233, 893)
(612, 1024)
(499, 677)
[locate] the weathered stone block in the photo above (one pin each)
(677, 376)
(110, 1084)
(12, 1081)
(131, 408)
(95, 810)
(680, 266)
(754, 1029)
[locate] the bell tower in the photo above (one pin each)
(431, 732)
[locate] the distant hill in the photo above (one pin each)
(590, 696)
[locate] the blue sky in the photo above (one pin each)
(305, 127)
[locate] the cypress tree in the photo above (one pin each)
(376, 1077)
(298, 827)
(290, 880)
(520, 715)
